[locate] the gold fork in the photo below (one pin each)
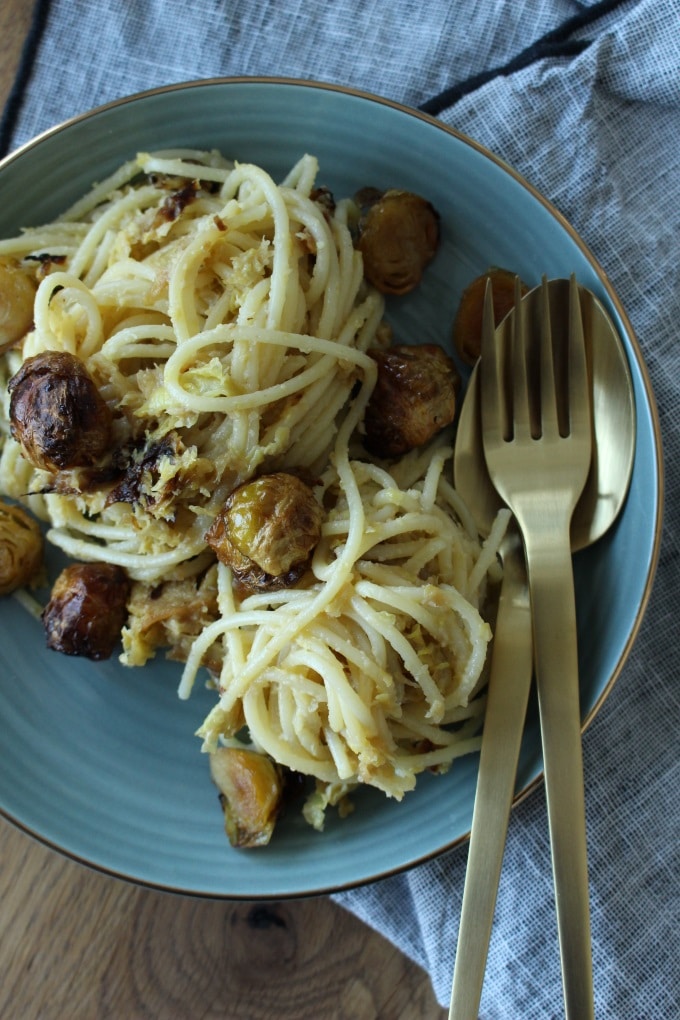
(536, 426)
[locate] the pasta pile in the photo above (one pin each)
(359, 675)
(225, 320)
(223, 349)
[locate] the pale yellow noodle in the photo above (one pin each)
(229, 334)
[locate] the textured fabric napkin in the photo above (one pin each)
(584, 100)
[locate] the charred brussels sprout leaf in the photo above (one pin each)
(17, 294)
(21, 548)
(398, 237)
(467, 327)
(57, 414)
(414, 398)
(267, 531)
(87, 610)
(250, 793)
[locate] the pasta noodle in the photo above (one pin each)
(381, 654)
(226, 322)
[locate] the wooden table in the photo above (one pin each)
(78, 945)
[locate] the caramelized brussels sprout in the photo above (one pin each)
(250, 793)
(57, 414)
(21, 548)
(17, 293)
(414, 398)
(266, 531)
(325, 199)
(467, 327)
(87, 610)
(398, 237)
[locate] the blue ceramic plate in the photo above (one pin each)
(99, 761)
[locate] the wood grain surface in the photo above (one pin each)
(79, 945)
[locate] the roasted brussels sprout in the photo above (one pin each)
(325, 199)
(414, 398)
(467, 327)
(17, 293)
(250, 793)
(21, 548)
(398, 237)
(57, 414)
(266, 532)
(87, 610)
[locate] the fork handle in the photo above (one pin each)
(551, 583)
(508, 693)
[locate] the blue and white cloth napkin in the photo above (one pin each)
(583, 99)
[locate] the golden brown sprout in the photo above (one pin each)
(266, 531)
(57, 414)
(398, 237)
(250, 793)
(17, 293)
(414, 398)
(87, 610)
(325, 199)
(21, 548)
(467, 327)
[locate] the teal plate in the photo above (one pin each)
(100, 762)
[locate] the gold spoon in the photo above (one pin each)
(511, 661)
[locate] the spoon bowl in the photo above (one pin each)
(614, 436)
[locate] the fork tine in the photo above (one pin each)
(580, 411)
(550, 424)
(521, 402)
(492, 395)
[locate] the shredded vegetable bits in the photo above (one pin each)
(357, 675)
(225, 320)
(223, 316)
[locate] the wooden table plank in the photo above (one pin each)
(80, 945)
(15, 21)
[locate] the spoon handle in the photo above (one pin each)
(551, 583)
(508, 692)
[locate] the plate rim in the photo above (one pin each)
(633, 349)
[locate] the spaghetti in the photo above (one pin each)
(226, 322)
